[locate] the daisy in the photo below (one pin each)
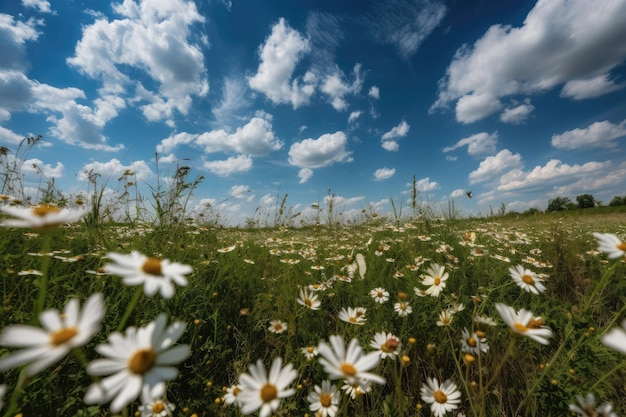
(351, 364)
(30, 272)
(260, 390)
(309, 301)
(380, 295)
(232, 395)
(227, 249)
(524, 324)
(310, 352)
(441, 397)
(445, 318)
(154, 274)
(277, 326)
(402, 308)
(387, 344)
(436, 278)
(153, 405)
(586, 407)
(353, 315)
(60, 334)
(41, 217)
(139, 359)
(527, 279)
(473, 343)
(616, 338)
(611, 245)
(356, 390)
(324, 400)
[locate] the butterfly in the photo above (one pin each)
(469, 194)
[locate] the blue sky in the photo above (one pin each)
(518, 102)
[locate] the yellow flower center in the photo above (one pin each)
(440, 397)
(63, 335)
(278, 327)
(268, 392)
(379, 294)
(45, 209)
(157, 407)
(308, 302)
(310, 349)
(142, 361)
(528, 279)
(236, 391)
(471, 342)
(325, 399)
(152, 266)
(621, 246)
(437, 280)
(520, 328)
(348, 369)
(402, 306)
(352, 319)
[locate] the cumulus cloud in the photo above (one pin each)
(323, 151)
(459, 192)
(390, 145)
(13, 36)
(495, 165)
(404, 24)
(8, 136)
(150, 36)
(425, 184)
(115, 169)
(280, 53)
(478, 144)
(336, 87)
(37, 167)
(384, 173)
(575, 43)
(354, 116)
(597, 135)
(374, 92)
(232, 165)
(305, 174)
(518, 114)
(241, 192)
(42, 6)
(388, 141)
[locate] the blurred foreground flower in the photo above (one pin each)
(351, 364)
(616, 338)
(60, 334)
(586, 407)
(260, 390)
(154, 274)
(136, 361)
(41, 217)
(611, 245)
(523, 323)
(3, 390)
(441, 397)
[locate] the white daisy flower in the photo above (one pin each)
(403, 308)
(260, 390)
(524, 323)
(277, 326)
(472, 343)
(586, 407)
(445, 317)
(310, 301)
(356, 390)
(616, 338)
(142, 357)
(351, 364)
(60, 334)
(353, 315)
(380, 295)
(232, 395)
(387, 344)
(154, 274)
(324, 400)
(611, 245)
(527, 279)
(310, 352)
(436, 278)
(153, 404)
(40, 217)
(441, 397)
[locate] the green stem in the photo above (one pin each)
(40, 303)
(130, 308)
(466, 386)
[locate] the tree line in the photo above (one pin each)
(582, 201)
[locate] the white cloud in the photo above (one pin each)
(518, 114)
(337, 88)
(384, 173)
(232, 165)
(343, 201)
(267, 200)
(494, 165)
(152, 37)
(405, 24)
(388, 143)
(374, 92)
(279, 55)
(590, 88)
(305, 174)
(9, 137)
(42, 5)
(459, 192)
(323, 151)
(114, 169)
(354, 116)
(255, 138)
(234, 99)
(610, 180)
(478, 144)
(597, 135)
(425, 184)
(172, 142)
(13, 35)
(241, 192)
(559, 42)
(37, 167)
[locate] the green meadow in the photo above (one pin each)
(244, 280)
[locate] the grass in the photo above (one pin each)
(233, 295)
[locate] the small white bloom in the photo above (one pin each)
(586, 407)
(263, 390)
(524, 323)
(380, 295)
(353, 315)
(277, 326)
(403, 308)
(527, 279)
(441, 397)
(324, 400)
(616, 338)
(387, 344)
(310, 301)
(350, 364)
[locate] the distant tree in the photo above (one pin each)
(559, 204)
(585, 201)
(618, 201)
(531, 211)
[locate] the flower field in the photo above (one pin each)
(474, 317)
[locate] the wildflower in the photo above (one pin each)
(317, 267)
(309, 301)
(40, 217)
(445, 318)
(232, 395)
(310, 352)
(260, 390)
(380, 295)
(353, 315)
(611, 245)
(227, 249)
(616, 338)
(586, 407)
(356, 390)
(484, 322)
(277, 326)
(523, 323)
(30, 272)
(403, 309)
(387, 344)
(324, 400)
(60, 334)
(153, 405)
(473, 343)
(527, 280)
(436, 278)
(139, 359)
(351, 364)
(155, 275)
(441, 397)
